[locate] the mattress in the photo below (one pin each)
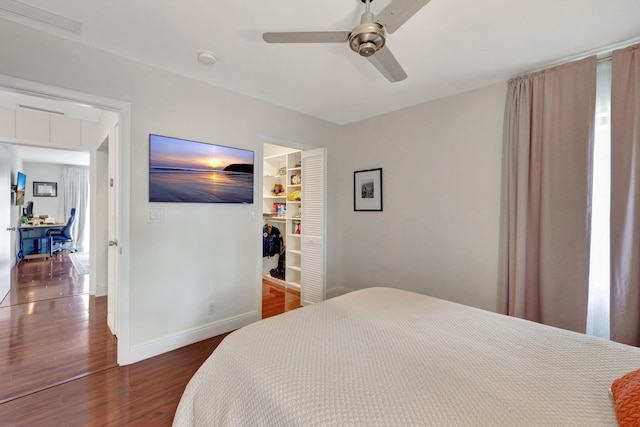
(387, 357)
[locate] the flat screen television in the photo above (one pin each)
(21, 185)
(196, 172)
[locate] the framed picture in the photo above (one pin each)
(186, 171)
(45, 189)
(367, 190)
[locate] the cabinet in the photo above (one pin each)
(283, 177)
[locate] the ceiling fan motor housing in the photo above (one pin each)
(367, 38)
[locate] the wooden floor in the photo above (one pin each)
(142, 394)
(51, 330)
(145, 393)
(276, 299)
(39, 280)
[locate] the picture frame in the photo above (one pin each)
(45, 189)
(367, 190)
(185, 171)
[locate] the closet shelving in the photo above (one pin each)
(285, 171)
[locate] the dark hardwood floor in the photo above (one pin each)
(142, 394)
(276, 299)
(51, 329)
(39, 280)
(145, 393)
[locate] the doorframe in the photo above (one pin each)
(263, 139)
(123, 109)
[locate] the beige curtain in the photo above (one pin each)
(625, 196)
(549, 142)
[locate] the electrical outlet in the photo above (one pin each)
(210, 308)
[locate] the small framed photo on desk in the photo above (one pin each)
(45, 189)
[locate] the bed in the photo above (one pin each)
(387, 357)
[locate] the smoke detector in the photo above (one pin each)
(206, 57)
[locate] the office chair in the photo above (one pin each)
(60, 236)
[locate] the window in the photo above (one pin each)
(599, 265)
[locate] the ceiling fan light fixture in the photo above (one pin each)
(366, 39)
(367, 49)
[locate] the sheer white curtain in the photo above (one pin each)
(599, 265)
(75, 184)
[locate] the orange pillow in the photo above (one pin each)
(626, 392)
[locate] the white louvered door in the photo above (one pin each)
(312, 285)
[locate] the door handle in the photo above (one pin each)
(11, 228)
(113, 243)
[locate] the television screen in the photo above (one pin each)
(197, 172)
(20, 188)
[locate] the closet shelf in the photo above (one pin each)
(294, 285)
(274, 219)
(278, 171)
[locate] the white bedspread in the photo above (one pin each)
(386, 357)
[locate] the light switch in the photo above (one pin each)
(156, 215)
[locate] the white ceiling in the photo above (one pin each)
(449, 46)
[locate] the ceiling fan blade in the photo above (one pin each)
(307, 37)
(398, 12)
(387, 64)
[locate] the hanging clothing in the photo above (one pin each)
(279, 271)
(271, 241)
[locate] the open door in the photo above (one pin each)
(5, 222)
(112, 251)
(313, 239)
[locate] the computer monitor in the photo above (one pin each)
(28, 210)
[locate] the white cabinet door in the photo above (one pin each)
(313, 277)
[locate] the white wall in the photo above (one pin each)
(201, 252)
(439, 231)
(437, 235)
(45, 172)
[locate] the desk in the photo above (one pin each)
(34, 242)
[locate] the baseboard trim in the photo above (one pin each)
(171, 342)
(111, 324)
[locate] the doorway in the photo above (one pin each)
(294, 219)
(281, 216)
(117, 270)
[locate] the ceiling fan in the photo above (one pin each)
(368, 39)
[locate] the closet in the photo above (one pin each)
(288, 208)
